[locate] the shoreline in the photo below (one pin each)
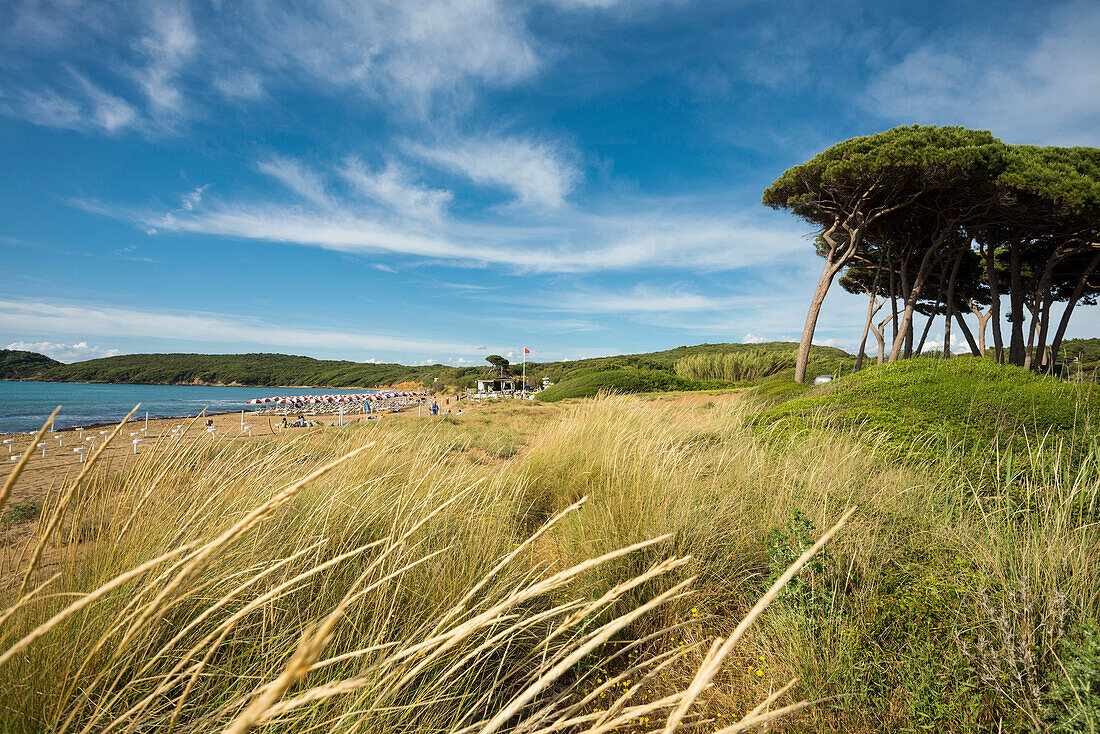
(202, 414)
(195, 384)
(61, 463)
(72, 422)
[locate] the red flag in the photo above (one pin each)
(526, 350)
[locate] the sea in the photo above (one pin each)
(25, 406)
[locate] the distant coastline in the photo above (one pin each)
(196, 384)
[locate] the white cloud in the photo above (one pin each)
(639, 234)
(46, 317)
(393, 188)
(107, 110)
(168, 44)
(193, 198)
(575, 244)
(404, 54)
(537, 173)
(296, 177)
(637, 300)
(70, 58)
(401, 55)
(84, 107)
(751, 338)
(49, 108)
(243, 85)
(1047, 92)
(65, 352)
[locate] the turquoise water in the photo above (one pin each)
(25, 406)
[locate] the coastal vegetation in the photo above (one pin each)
(17, 364)
(443, 577)
(272, 370)
(944, 221)
(745, 366)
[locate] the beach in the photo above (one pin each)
(61, 464)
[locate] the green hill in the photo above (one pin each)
(19, 365)
(267, 370)
(271, 370)
(685, 368)
(1080, 355)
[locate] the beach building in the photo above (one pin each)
(494, 387)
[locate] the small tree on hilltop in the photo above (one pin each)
(498, 362)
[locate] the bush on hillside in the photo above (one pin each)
(968, 404)
(746, 366)
(589, 382)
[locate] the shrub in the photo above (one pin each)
(1074, 701)
(744, 366)
(23, 512)
(589, 382)
(922, 407)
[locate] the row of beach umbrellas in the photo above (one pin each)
(310, 399)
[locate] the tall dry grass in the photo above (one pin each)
(362, 579)
(938, 588)
(597, 580)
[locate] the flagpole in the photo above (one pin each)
(524, 393)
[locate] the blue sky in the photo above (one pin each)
(423, 181)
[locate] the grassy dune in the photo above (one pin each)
(469, 574)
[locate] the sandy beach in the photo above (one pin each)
(61, 463)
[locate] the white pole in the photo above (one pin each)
(147, 421)
(523, 387)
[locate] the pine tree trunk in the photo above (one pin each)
(994, 302)
(1047, 300)
(893, 307)
(872, 309)
(1016, 296)
(983, 319)
(1078, 289)
(913, 296)
(812, 314)
(1033, 307)
(975, 349)
(879, 332)
(1040, 361)
(949, 307)
(924, 334)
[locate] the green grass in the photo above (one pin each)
(967, 406)
(20, 512)
(586, 383)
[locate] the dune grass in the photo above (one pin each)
(744, 366)
(590, 578)
(398, 584)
